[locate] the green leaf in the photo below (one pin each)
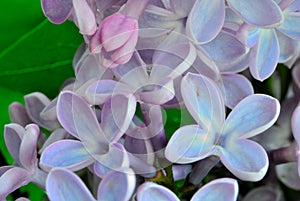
(40, 58)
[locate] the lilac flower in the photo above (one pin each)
(115, 40)
(219, 189)
(64, 185)
(96, 142)
(225, 138)
(59, 11)
(134, 81)
(21, 143)
(203, 24)
(35, 104)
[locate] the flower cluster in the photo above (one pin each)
(108, 138)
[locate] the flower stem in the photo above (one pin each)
(202, 168)
(284, 154)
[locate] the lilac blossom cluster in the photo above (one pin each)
(141, 58)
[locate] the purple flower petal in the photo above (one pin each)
(115, 158)
(206, 20)
(150, 93)
(85, 17)
(288, 47)
(116, 115)
(296, 124)
(77, 117)
(13, 135)
(254, 12)
(288, 174)
(171, 62)
(253, 115)
(88, 66)
(18, 114)
(290, 26)
(224, 47)
(58, 134)
(49, 112)
(181, 171)
(181, 8)
(266, 47)
(57, 11)
(117, 186)
(225, 189)
(236, 88)
(264, 193)
(35, 103)
(99, 91)
(246, 159)
(189, 144)
(203, 100)
(11, 180)
(152, 191)
(64, 185)
(70, 154)
(28, 147)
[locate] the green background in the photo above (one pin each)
(35, 55)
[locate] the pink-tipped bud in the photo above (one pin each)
(115, 40)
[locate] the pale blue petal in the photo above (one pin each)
(204, 101)
(206, 20)
(116, 115)
(173, 61)
(99, 91)
(236, 88)
(181, 8)
(288, 47)
(78, 118)
(151, 191)
(224, 48)
(253, 115)
(264, 55)
(181, 171)
(254, 12)
(133, 73)
(64, 185)
(189, 144)
(246, 159)
(235, 66)
(157, 93)
(225, 189)
(290, 26)
(117, 186)
(69, 154)
(58, 134)
(115, 158)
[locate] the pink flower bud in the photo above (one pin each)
(115, 40)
